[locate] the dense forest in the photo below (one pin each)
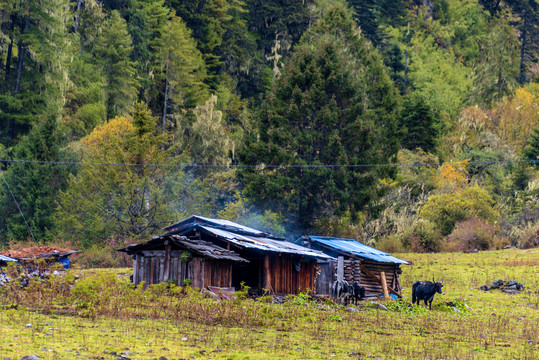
(408, 125)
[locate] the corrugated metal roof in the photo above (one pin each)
(243, 236)
(7, 258)
(355, 247)
(223, 224)
(202, 248)
(264, 243)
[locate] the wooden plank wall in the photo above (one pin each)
(202, 272)
(327, 277)
(285, 279)
(219, 273)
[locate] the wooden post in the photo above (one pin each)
(168, 248)
(384, 284)
(135, 268)
(340, 268)
(267, 273)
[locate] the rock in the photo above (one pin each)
(43, 349)
(456, 310)
(474, 250)
(484, 287)
(381, 306)
(49, 334)
(467, 307)
(30, 357)
(184, 339)
(497, 284)
(507, 247)
(56, 273)
(28, 325)
(352, 309)
(511, 292)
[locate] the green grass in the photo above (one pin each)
(101, 314)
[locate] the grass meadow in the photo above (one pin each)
(97, 315)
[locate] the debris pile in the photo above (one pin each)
(509, 287)
(35, 251)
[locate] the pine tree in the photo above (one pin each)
(113, 50)
(35, 69)
(497, 72)
(147, 21)
(419, 124)
(531, 151)
(35, 185)
(333, 104)
(183, 68)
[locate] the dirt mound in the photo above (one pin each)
(33, 251)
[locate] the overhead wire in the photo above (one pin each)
(261, 166)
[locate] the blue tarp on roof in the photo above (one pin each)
(354, 247)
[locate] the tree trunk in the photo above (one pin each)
(77, 19)
(10, 48)
(166, 101)
(405, 67)
(22, 52)
(500, 85)
(522, 76)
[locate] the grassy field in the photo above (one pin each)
(99, 316)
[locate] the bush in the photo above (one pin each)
(449, 208)
(102, 256)
(392, 244)
(425, 237)
(474, 234)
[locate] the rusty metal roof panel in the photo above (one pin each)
(274, 245)
(202, 248)
(356, 248)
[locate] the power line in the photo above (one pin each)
(261, 166)
(16, 203)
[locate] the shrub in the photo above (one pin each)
(425, 237)
(392, 244)
(449, 208)
(102, 256)
(474, 234)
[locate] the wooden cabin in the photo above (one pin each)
(177, 258)
(355, 262)
(274, 264)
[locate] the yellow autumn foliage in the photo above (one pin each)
(514, 119)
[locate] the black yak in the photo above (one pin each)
(425, 290)
(344, 290)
